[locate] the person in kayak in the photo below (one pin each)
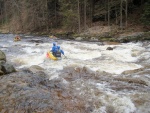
(54, 49)
(59, 52)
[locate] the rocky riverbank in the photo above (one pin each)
(121, 38)
(5, 67)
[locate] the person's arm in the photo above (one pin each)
(62, 52)
(52, 50)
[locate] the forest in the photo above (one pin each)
(74, 56)
(71, 15)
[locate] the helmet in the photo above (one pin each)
(54, 43)
(58, 47)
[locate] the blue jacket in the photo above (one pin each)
(54, 48)
(62, 52)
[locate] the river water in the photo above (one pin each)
(115, 80)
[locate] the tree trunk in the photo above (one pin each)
(84, 14)
(46, 13)
(92, 11)
(121, 14)
(108, 14)
(79, 27)
(126, 12)
(55, 13)
(1, 13)
(106, 11)
(5, 12)
(116, 15)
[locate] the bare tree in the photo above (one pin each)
(108, 13)
(116, 15)
(106, 10)
(79, 27)
(84, 14)
(121, 14)
(2, 11)
(126, 12)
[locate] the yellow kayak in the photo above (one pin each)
(17, 38)
(51, 56)
(52, 36)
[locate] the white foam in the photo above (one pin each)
(85, 55)
(116, 61)
(32, 50)
(119, 104)
(123, 105)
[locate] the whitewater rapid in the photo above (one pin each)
(125, 57)
(80, 53)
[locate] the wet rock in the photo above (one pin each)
(135, 81)
(79, 38)
(2, 56)
(111, 43)
(5, 67)
(109, 48)
(110, 109)
(36, 41)
(132, 71)
(35, 68)
(1, 72)
(100, 43)
(24, 92)
(2, 62)
(94, 39)
(125, 38)
(8, 68)
(141, 99)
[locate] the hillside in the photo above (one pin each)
(92, 18)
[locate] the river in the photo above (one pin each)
(115, 80)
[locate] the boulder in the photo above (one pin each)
(2, 62)
(2, 56)
(35, 68)
(111, 43)
(1, 72)
(7, 68)
(79, 38)
(109, 48)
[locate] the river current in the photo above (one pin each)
(117, 79)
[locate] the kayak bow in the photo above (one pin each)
(51, 56)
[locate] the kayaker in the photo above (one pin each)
(60, 51)
(54, 49)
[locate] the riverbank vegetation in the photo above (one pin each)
(86, 17)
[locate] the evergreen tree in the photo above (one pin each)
(146, 15)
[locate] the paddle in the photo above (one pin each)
(65, 56)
